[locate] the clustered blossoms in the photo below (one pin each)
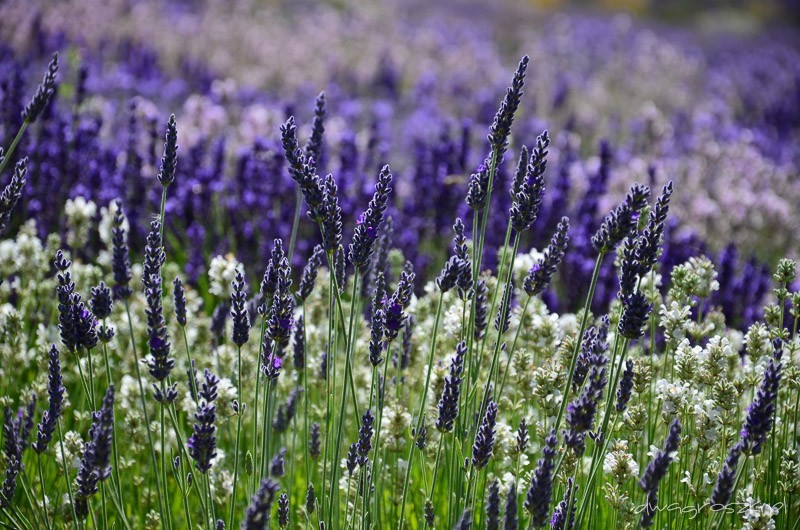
(593, 364)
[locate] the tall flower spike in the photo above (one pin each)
(376, 343)
(448, 403)
(258, 512)
(313, 150)
(331, 215)
(530, 193)
(302, 171)
(311, 499)
(299, 351)
(465, 522)
(540, 492)
(493, 506)
(95, 465)
(520, 175)
(649, 242)
(367, 226)
(12, 193)
(460, 250)
(621, 221)
(501, 127)
(159, 363)
(481, 309)
(483, 446)
(541, 273)
(365, 437)
(65, 293)
(394, 308)
(582, 410)
(101, 301)
(564, 514)
(55, 391)
(12, 453)
(280, 321)
(120, 262)
(283, 510)
(314, 441)
(657, 470)
(635, 311)
(761, 412)
(477, 192)
(625, 387)
(179, 297)
(723, 488)
(309, 277)
(511, 520)
(203, 441)
(44, 93)
(239, 314)
(169, 160)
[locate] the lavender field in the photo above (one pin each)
(393, 264)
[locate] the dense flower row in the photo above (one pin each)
(706, 115)
(344, 398)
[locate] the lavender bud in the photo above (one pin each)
(367, 226)
(44, 92)
(448, 403)
(484, 439)
(258, 512)
(239, 314)
(180, 301)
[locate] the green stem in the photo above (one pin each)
(423, 399)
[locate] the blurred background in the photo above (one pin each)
(703, 93)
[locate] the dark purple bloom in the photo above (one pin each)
(277, 467)
(501, 127)
(726, 479)
(582, 410)
(362, 244)
(203, 441)
(283, 510)
(483, 446)
(44, 93)
(564, 514)
(102, 301)
(309, 277)
(299, 353)
(55, 391)
(303, 171)
(493, 506)
(761, 412)
(12, 192)
(540, 492)
(394, 308)
(313, 150)
(541, 274)
(511, 520)
(258, 512)
(365, 433)
(311, 499)
(465, 522)
(376, 344)
(528, 191)
(331, 223)
(314, 441)
(657, 470)
(95, 463)
(625, 387)
(239, 314)
(635, 312)
(169, 160)
(120, 263)
(180, 301)
(448, 403)
(481, 309)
